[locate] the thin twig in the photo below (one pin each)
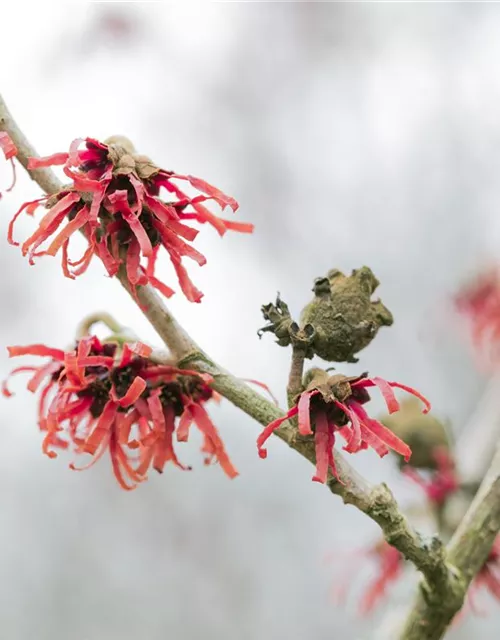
(103, 317)
(294, 386)
(377, 502)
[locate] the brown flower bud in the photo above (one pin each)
(339, 322)
(145, 167)
(120, 141)
(344, 318)
(125, 164)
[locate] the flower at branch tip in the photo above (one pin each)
(9, 151)
(332, 405)
(442, 482)
(479, 303)
(389, 569)
(114, 198)
(103, 397)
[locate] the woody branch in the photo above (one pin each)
(376, 502)
(466, 552)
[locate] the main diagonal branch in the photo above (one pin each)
(376, 502)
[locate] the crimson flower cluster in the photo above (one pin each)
(479, 303)
(9, 151)
(114, 198)
(390, 567)
(101, 397)
(333, 405)
(488, 578)
(442, 482)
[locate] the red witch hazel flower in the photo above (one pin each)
(9, 150)
(487, 579)
(479, 304)
(442, 482)
(389, 569)
(390, 566)
(100, 396)
(114, 199)
(333, 404)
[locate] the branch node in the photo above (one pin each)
(197, 360)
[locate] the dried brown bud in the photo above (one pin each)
(332, 387)
(145, 167)
(125, 164)
(125, 160)
(120, 141)
(339, 322)
(279, 321)
(344, 318)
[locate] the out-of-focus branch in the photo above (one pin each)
(103, 317)
(467, 552)
(376, 502)
(476, 445)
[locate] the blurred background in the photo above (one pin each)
(350, 134)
